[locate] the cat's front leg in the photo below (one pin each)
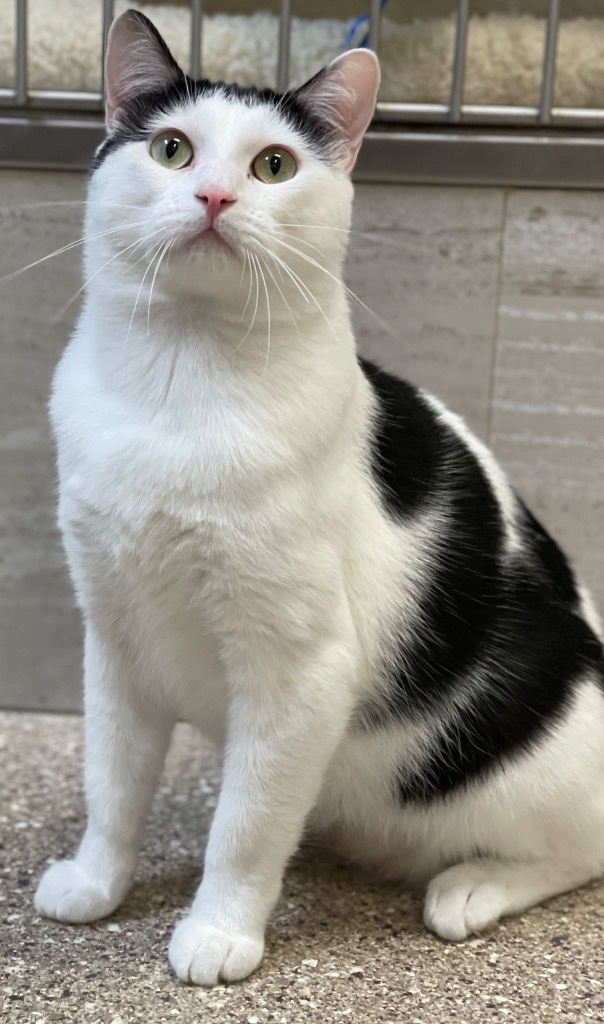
(126, 742)
(284, 727)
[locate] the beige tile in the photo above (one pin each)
(433, 278)
(39, 626)
(548, 409)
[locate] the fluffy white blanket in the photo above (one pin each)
(505, 53)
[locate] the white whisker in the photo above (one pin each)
(68, 247)
(309, 259)
(155, 272)
(253, 320)
(280, 290)
(133, 245)
(138, 294)
(303, 288)
(372, 236)
(67, 202)
(246, 265)
(268, 311)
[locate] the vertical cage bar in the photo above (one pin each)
(459, 59)
(285, 27)
(375, 25)
(196, 30)
(21, 53)
(549, 62)
(107, 19)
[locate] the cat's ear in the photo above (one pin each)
(344, 95)
(137, 60)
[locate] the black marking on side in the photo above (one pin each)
(502, 635)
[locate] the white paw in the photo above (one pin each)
(67, 893)
(204, 955)
(464, 900)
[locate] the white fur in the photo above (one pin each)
(235, 568)
(496, 478)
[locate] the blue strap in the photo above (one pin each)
(363, 20)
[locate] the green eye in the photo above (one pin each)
(274, 165)
(172, 149)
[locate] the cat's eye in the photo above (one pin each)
(172, 149)
(274, 165)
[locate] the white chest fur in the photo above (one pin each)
(189, 521)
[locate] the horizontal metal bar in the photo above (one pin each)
(49, 143)
(483, 113)
(445, 157)
(52, 101)
(496, 158)
(57, 101)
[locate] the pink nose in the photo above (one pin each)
(216, 200)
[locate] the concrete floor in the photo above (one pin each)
(340, 948)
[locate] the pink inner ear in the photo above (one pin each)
(362, 80)
(137, 59)
(346, 93)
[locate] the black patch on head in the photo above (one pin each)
(139, 113)
(501, 633)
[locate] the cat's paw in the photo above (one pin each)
(464, 900)
(204, 955)
(67, 893)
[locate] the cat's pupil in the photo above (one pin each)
(275, 164)
(171, 148)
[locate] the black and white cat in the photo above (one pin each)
(311, 560)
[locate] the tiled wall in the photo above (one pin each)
(494, 300)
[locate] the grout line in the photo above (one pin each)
(497, 319)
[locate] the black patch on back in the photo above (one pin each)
(141, 111)
(408, 444)
(505, 631)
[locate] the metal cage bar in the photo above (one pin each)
(549, 61)
(375, 25)
(21, 55)
(33, 116)
(196, 30)
(285, 27)
(108, 6)
(459, 59)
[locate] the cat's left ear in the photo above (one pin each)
(344, 94)
(137, 61)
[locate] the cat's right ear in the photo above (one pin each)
(137, 60)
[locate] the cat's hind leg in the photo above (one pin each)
(531, 830)
(471, 897)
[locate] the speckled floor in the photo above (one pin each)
(340, 948)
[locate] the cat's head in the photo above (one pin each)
(218, 174)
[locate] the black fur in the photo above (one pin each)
(140, 112)
(507, 630)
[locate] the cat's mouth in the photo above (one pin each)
(210, 239)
